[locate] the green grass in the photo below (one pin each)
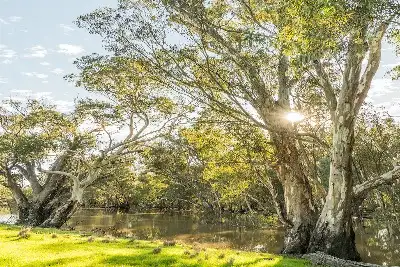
(49, 247)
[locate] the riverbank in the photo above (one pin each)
(50, 247)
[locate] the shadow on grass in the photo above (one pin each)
(150, 260)
(262, 260)
(55, 262)
(146, 259)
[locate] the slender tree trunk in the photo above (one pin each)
(276, 190)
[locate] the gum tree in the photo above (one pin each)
(226, 63)
(254, 61)
(79, 147)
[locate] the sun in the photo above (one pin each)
(294, 116)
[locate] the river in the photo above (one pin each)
(377, 242)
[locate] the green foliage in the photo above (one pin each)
(376, 152)
(131, 191)
(33, 129)
(5, 200)
(122, 80)
(213, 169)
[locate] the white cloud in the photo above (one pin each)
(7, 53)
(64, 106)
(37, 51)
(42, 95)
(23, 92)
(29, 74)
(6, 61)
(391, 65)
(58, 71)
(66, 28)
(35, 74)
(394, 110)
(15, 19)
(41, 76)
(17, 93)
(14, 98)
(381, 87)
(2, 21)
(3, 80)
(390, 48)
(70, 49)
(45, 63)
(11, 19)
(45, 82)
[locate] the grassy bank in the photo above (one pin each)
(48, 247)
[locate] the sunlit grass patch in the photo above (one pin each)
(73, 249)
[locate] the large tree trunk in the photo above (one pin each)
(334, 232)
(300, 211)
(37, 214)
(299, 204)
(51, 206)
(51, 210)
(61, 215)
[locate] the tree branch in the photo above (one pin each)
(30, 175)
(375, 51)
(74, 178)
(284, 89)
(19, 196)
(77, 188)
(326, 87)
(386, 178)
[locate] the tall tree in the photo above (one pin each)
(225, 62)
(366, 25)
(255, 61)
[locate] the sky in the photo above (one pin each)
(39, 42)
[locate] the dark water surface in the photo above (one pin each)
(377, 242)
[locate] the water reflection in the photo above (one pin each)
(177, 227)
(376, 243)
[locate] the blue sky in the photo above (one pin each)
(38, 43)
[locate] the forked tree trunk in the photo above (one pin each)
(334, 232)
(51, 206)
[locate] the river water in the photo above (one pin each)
(377, 242)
